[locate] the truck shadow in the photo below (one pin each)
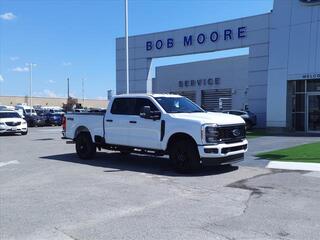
(115, 162)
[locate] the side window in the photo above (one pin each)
(141, 102)
(123, 106)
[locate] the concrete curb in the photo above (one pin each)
(294, 166)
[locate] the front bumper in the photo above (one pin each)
(223, 153)
(19, 129)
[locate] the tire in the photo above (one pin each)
(85, 148)
(184, 156)
(24, 133)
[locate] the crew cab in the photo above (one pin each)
(159, 124)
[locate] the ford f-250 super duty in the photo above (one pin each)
(159, 124)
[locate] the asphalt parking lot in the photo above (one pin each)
(46, 192)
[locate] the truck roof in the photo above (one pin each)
(148, 95)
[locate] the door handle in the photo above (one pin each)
(109, 120)
(132, 121)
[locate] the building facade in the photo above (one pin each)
(279, 79)
(214, 84)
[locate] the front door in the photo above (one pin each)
(313, 112)
(145, 133)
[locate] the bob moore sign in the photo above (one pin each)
(199, 82)
(199, 39)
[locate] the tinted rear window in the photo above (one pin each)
(123, 106)
(131, 106)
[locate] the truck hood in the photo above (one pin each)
(210, 117)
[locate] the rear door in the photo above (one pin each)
(117, 122)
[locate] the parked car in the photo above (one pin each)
(55, 118)
(27, 110)
(159, 124)
(5, 107)
(29, 114)
(42, 118)
(11, 122)
(32, 120)
(249, 117)
(96, 110)
(79, 110)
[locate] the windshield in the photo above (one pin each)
(9, 115)
(178, 105)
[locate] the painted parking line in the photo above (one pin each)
(2, 164)
(294, 166)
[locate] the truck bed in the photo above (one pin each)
(92, 121)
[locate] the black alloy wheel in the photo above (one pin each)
(85, 148)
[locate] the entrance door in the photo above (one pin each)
(314, 112)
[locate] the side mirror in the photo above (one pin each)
(145, 112)
(148, 114)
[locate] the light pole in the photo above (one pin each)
(82, 92)
(127, 44)
(1, 80)
(31, 65)
(68, 87)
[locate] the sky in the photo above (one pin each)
(76, 39)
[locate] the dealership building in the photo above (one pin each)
(279, 78)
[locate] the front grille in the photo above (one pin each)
(232, 133)
(233, 149)
(13, 124)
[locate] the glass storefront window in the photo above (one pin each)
(303, 108)
(300, 103)
(300, 86)
(314, 112)
(298, 121)
(313, 86)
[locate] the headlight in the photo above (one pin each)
(24, 122)
(2, 124)
(209, 133)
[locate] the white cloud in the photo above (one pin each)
(20, 69)
(51, 81)
(14, 58)
(8, 16)
(66, 64)
(1, 78)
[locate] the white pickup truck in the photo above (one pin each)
(159, 124)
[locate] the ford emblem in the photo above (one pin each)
(236, 132)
